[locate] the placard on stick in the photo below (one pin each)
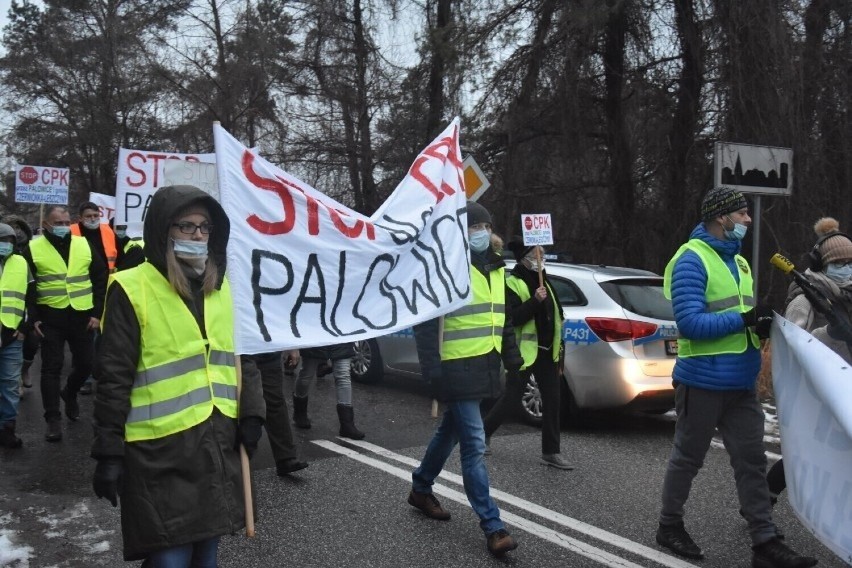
(537, 229)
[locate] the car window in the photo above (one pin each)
(569, 293)
(640, 296)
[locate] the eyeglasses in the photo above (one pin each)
(188, 228)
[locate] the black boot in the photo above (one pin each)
(346, 414)
(25, 374)
(300, 412)
(8, 438)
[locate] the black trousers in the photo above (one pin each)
(57, 332)
(277, 424)
(547, 377)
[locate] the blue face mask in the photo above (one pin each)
(480, 240)
(738, 233)
(190, 249)
(60, 231)
(6, 249)
(121, 233)
(839, 272)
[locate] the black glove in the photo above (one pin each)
(107, 480)
(755, 316)
(248, 434)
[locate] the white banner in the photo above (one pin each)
(201, 175)
(308, 271)
(813, 392)
(41, 184)
(138, 176)
(105, 203)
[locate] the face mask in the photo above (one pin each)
(839, 273)
(480, 240)
(738, 233)
(60, 231)
(6, 249)
(121, 233)
(534, 264)
(91, 224)
(190, 249)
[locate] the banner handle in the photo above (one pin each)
(244, 462)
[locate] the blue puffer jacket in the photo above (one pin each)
(689, 280)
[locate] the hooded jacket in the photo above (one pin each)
(689, 281)
(187, 486)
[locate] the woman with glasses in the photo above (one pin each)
(168, 422)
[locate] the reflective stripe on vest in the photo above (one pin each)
(180, 376)
(13, 291)
(109, 240)
(59, 285)
(527, 335)
(477, 328)
(722, 295)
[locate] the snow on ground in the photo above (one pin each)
(12, 554)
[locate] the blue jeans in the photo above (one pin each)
(461, 424)
(201, 554)
(11, 359)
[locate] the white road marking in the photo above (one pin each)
(553, 516)
(550, 535)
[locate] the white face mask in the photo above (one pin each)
(533, 264)
(191, 253)
(91, 224)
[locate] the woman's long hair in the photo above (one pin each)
(178, 279)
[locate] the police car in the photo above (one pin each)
(620, 344)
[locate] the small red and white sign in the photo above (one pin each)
(537, 229)
(41, 184)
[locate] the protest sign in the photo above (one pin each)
(201, 175)
(105, 203)
(814, 401)
(138, 176)
(537, 229)
(41, 184)
(308, 271)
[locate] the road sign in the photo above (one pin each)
(475, 182)
(766, 170)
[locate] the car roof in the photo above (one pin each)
(564, 268)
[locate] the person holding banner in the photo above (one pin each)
(715, 377)
(70, 288)
(537, 317)
(15, 281)
(460, 356)
(168, 416)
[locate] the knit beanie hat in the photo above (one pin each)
(720, 201)
(476, 214)
(833, 249)
(516, 245)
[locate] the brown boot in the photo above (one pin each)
(8, 438)
(428, 505)
(500, 542)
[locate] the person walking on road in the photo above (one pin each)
(70, 287)
(341, 358)
(720, 325)
(15, 281)
(462, 364)
(168, 421)
(537, 317)
(278, 427)
(23, 235)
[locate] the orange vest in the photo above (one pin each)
(109, 241)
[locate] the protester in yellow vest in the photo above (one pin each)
(719, 323)
(132, 249)
(537, 316)
(167, 419)
(24, 234)
(70, 287)
(15, 281)
(461, 360)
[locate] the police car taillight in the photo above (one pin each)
(615, 329)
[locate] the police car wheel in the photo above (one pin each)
(366, 365)
(530, 403)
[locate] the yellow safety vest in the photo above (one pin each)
(180, 377)
(59, 285)
(477, 328)
(13, 291)
(722, 295)
(133, 243)
(527, 335)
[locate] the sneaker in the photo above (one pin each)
(289, 465)
(676, 539)
(87, 387)
(776, 554)
(487, 451)
(500, 542)
(556, 460)
(72, 407)
(54, 431)
(428, 505)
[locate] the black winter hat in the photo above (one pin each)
(476, 214)
(516, 245)
(720, 201)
